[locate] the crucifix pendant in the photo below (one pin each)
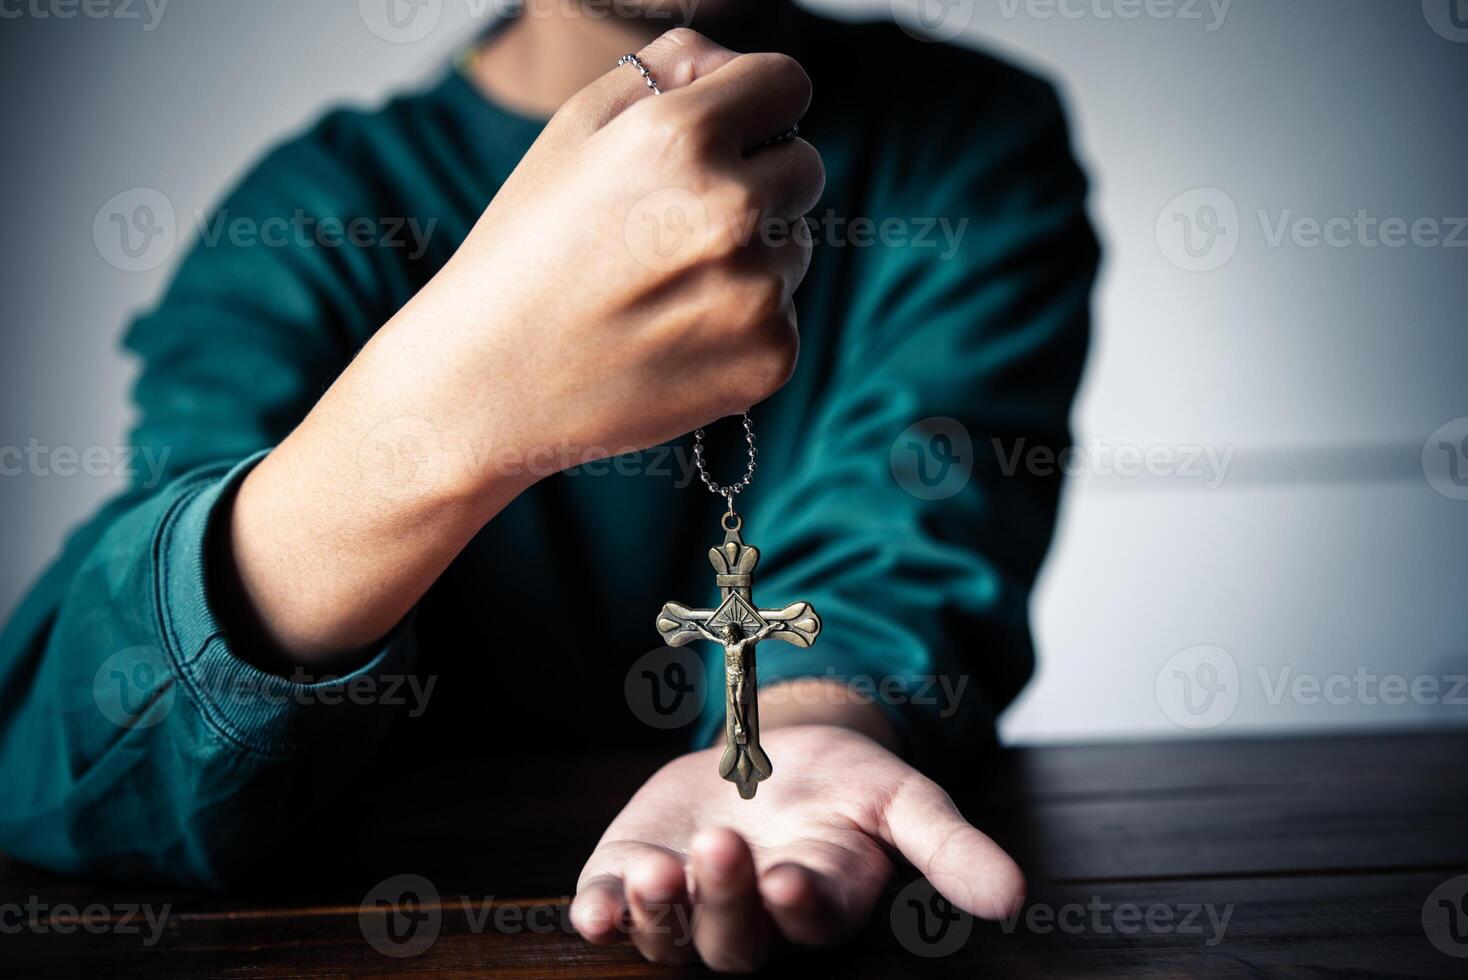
(738, 625)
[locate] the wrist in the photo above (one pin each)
(343, 527)
(824, 701)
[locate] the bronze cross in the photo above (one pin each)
(738, 625)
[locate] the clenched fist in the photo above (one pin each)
(612, 289)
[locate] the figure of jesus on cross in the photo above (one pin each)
(738, 625)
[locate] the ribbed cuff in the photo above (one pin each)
(266, 713)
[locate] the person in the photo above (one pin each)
(388, 462)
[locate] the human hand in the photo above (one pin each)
(606, 301)
(690, 871)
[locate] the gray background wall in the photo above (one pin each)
(1332, 545)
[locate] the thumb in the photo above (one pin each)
(960, 861)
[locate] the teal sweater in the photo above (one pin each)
(136, 740)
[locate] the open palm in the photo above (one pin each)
(688, 870)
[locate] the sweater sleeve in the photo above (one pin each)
(904, 521)
(134, 740)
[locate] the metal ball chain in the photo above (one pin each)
(729, 492)
(636, 62)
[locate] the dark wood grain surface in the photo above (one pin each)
(1299, 858)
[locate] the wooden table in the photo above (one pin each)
(1299, 858)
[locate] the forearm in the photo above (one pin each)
(337, 533)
